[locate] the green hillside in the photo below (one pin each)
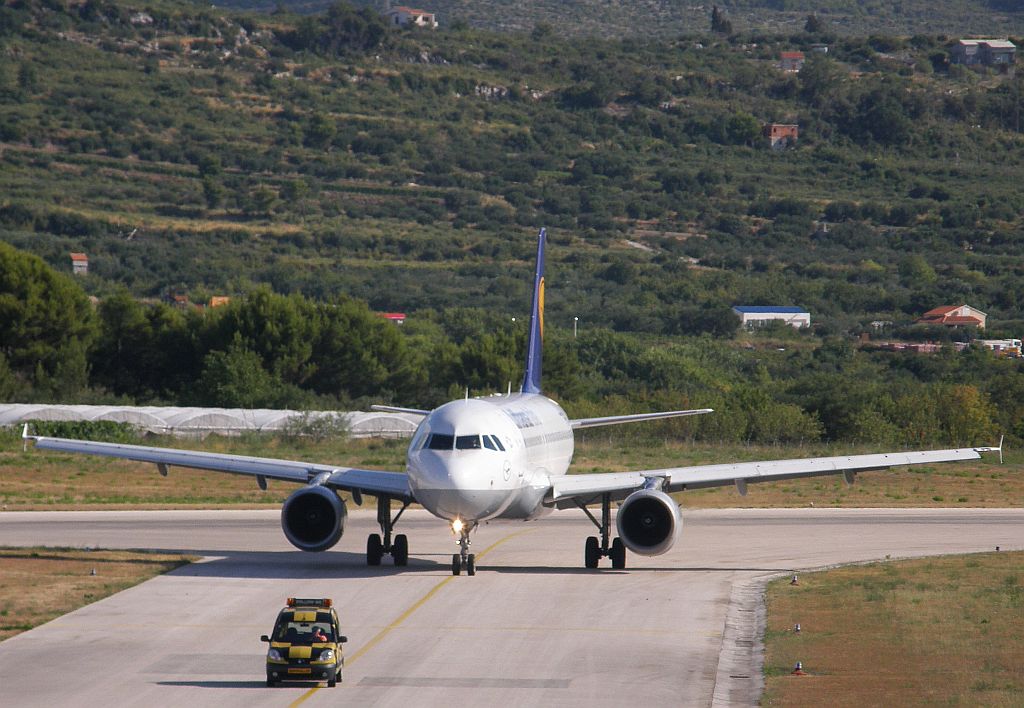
(344, 157)
(668, 18)
(190, 151)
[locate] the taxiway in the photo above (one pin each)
(531, 628)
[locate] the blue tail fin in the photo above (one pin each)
(535, 343)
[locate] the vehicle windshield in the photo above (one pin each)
(303, 632)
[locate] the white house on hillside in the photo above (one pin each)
(760, 315)
(402, 16)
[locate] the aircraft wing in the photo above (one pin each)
(567, 489)
(373, 482)
(398, 409)
(634, 418)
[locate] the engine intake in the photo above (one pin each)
(313, 518)
(649, 522)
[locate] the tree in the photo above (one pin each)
(122, 348)
(719, 22)
(359, 354)
(213, 191)
(262, 200)
(294, 190)
(719, 321)
(319, 131)
(965, 416)
(343, 29)
(742, 129)
(44, 318)
(814, 25)
(818, 78)
(281, 329)
(28, 80)
(542, 31)
(235, 378)
(915, 271)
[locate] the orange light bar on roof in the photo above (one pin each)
(309, 602)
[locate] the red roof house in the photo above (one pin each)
(954, 316)
(781, 135)
(79, 263)
(791, 61)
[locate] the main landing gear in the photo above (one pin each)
(463, 559)
(596, 549)
(376, 547)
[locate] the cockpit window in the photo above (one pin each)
(498, 443)
(440, 441)
(467, 442)
(489, 443)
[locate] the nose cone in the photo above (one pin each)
(457, 485)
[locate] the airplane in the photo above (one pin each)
(474, 460)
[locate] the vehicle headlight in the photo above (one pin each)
(326, 655)
(274, 655)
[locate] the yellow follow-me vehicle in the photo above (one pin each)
(306, 643)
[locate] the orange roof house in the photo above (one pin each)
(781, 135)
(791, 61)
(79, 263)
(954, 316)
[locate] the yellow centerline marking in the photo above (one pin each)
(405, 615)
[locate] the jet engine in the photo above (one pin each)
(649, 522)
(313, 518)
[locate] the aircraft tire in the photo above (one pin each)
(400, 551)
(592, 552)
(618, 554)
(456, 564)
(374, 549)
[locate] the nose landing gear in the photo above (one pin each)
(463, 559)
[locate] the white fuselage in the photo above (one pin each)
(484, 458)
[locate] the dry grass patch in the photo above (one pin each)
(39, 584)
(932, 631)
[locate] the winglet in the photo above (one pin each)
(994, 449)
(25, 438)
(535, 342)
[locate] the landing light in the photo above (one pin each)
(457, 526)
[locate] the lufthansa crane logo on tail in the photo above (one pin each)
(540, 307)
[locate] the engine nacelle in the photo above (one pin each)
(649, 522)
(313, 518)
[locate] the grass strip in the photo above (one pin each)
(39, 584)
(932, 631)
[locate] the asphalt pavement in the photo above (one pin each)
(531, 628)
